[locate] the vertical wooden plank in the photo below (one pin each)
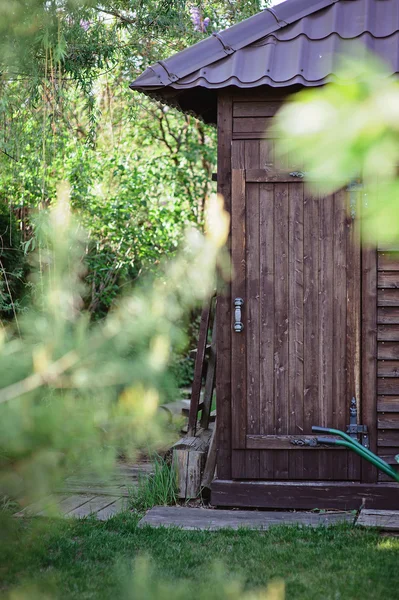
(223, 307)
(266, 152)
(281, 207)
(267, 320)
(238, 254)
(311, 326)
(238, 154)
(326, 339)
(253, 305)
(369, 354)
(295, 325)
(353, 320)
(238, 456)
(340, 391)
(266, 345)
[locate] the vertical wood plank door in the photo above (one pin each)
(296, 363)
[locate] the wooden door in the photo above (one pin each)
(296, 261)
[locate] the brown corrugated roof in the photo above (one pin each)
(296, 42)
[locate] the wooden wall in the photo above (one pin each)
(388, 356)
(246, 135)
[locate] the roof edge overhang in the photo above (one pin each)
(219, 45)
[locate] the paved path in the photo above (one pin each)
(88, 494)
(211, 520)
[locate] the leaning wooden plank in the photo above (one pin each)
(198, 369)
(388, 520)
(93, 506)
(112, 509)
(209, 381)
(210, 465)
(211, 520)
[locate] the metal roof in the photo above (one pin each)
(296, 42)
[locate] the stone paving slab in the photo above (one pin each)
(386, 520)
(211, 520)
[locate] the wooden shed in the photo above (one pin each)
(310, 319)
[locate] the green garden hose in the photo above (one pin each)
(355, 446)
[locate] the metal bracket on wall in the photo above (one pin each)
(357, 432)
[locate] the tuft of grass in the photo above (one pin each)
(157, 489)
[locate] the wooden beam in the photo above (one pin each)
(271, 175)
(304, 495)
(256, 109)
(223, 305)
(284, 442)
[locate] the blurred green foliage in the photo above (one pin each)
(348, 131)
(74, 394)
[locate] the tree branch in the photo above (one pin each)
(116, 14)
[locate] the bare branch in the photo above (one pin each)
(116, 14)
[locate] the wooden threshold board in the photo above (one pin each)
(212, 520)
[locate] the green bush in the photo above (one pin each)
(182, 369)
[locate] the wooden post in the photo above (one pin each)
(188, 460)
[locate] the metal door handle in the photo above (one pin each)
(238, 324)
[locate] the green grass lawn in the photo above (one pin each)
(88, 559)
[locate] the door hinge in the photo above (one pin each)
(356, 431)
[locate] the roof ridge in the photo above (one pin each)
(273, 12)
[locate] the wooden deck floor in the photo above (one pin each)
(88, 494)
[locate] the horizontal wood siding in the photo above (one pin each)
(388, 357)
(254, 120)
